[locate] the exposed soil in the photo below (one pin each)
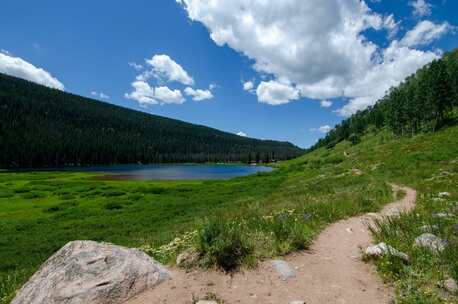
(330, 272)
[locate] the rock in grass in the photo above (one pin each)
(428, 228)
(450, 285)
(442, 215)
(430, 241)
(382, 249)
(91, 273)
(285, 270)
(444, 194)
(206, 302)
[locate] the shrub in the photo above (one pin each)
(223, 244)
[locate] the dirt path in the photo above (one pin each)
(331, 272)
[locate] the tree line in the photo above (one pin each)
(425, 102)
(43, 127)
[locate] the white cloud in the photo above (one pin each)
(136, 66)
(198, 95)
(313, 49)
(424, 33)
(20, 68)
(420, 8)
(166, 95)
(322, 129)
(166, 69)
(100, 95)
(147, 95)
(276, 93)
(326, 103)
(248, 85)
(242, 134)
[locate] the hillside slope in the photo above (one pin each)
(42, 127)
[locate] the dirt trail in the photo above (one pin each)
(331, 272)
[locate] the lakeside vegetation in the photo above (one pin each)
(43, 127)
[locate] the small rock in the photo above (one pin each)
(285, 270)
(349, 230)
(297, 302)
(429, 240)
(383, 249)
(306, 216)
(206, 302)
(187, 258)
(442, 215)
(450, 285)
(356, 172)
(455, 229)
(428, 228)
(444, 194)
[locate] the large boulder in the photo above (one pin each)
(91, 273)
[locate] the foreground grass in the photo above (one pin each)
(237, 221)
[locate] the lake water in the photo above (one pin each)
(171, 171)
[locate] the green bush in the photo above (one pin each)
(223, 245)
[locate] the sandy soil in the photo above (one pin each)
(330, 272)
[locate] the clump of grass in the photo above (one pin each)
(223, 244)
(112, 206)
(61, 206)
(33, 195)
(114, 193)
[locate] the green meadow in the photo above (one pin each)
(235, 223)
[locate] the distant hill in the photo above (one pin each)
(43, 127)
(425, 102)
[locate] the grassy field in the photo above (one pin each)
(259, 216)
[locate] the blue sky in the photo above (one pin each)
(310, 64)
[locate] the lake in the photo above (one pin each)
(170, 171)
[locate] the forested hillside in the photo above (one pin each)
(424, 102)
(43, 127)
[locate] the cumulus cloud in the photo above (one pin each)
(20, 68)
(100, 95)
(323, 129)
(321, 57)
(424, 33)
(166, 69)
(248, 85)
(276, 93)
(198, 95)
(420, 8)
(242, 134)
(147, 95)
(325, 103)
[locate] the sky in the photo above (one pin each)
(287, 70)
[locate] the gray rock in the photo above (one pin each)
(91, 273)
(428, 228)
(442, 215)
(430, 241)
(444, 194)
(285, 270)
(382, 249)
(297, 302)
(455, 229)
(450, 285)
